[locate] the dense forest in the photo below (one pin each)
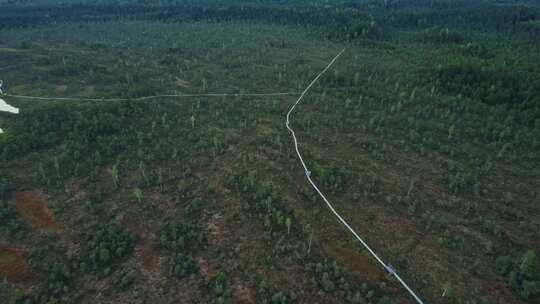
(425, 134)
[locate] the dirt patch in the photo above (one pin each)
(500, 289)
(144, 249)
(32, 208)
(13, 267)
(146, 252)
(206, 268)
(264, 127)
(353, 261)
(243, 294)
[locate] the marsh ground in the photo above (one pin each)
(425, 138)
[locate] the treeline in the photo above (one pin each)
(484, 71)
(472, 14)
(341, 24)
(493, 83)
(345, 21)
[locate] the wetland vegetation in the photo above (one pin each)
(425, 134)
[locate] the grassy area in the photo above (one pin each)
(425, 134)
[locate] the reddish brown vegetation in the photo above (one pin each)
(13, 266)
(33, 209)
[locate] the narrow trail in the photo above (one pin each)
(5, 107)
(151, 97)
(307, 172)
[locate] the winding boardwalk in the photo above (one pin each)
(307, 172)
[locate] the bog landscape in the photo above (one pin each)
(145, 156)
